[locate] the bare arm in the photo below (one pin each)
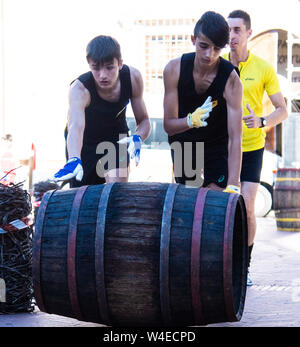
(143, 126)
(79, 99)
(172, 124)
(280, 113)
(233, 95)
(276, 117)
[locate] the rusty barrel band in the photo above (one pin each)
(71, 254)
(195, 255)
(99, 253)
(227, 257)
(36, 252)
(165, 253)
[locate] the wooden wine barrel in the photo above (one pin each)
(141, 254)
(287, 199)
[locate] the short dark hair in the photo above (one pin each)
(103, 49)
(214, 26)
(243, 15)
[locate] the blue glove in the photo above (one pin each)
(134, 148)
(73, 168)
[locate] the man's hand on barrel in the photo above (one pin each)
(232, 189)
(197, 119)
(134, 148)
(73, 168)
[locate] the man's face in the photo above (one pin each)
(106, 75)
(239, 34)
(206, 51)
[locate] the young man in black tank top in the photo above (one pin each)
(96, 118)
(203, 103)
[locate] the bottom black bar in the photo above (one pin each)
(98, 336)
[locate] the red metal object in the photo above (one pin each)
(36, 204)
(33, 153)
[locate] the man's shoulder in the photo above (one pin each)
(184, 58)
(85, 80)
(85, 76)
(255, 59)
(172, 66)
(134, 73)
(175, 61)
(78, 89)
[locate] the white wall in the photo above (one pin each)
(44, 50)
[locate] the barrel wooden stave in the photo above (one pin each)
(54, 254)
(85, 255)
(211, 258)
(134, 258)
(180, 256)
(132, 255)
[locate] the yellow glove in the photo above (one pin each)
(198, 117)
(232, 189)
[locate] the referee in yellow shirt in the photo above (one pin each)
(257, 76)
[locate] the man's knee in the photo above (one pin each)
(249, 191)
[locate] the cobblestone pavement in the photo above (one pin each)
(272, 301)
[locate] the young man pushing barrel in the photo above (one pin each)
(203, 103)
(97, 118)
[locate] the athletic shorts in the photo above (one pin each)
(215, 165)
(251, 166)
(95, 165)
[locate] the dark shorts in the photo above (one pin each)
(94, 165)
(215, 165)
(252, 165)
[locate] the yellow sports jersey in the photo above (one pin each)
(257, 76)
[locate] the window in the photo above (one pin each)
(161, 46)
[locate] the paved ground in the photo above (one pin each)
(273, 301)
(274, 298)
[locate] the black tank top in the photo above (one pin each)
(105, 120)
(189, 100)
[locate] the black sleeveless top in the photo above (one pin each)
(189, 100)
(105, 120)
